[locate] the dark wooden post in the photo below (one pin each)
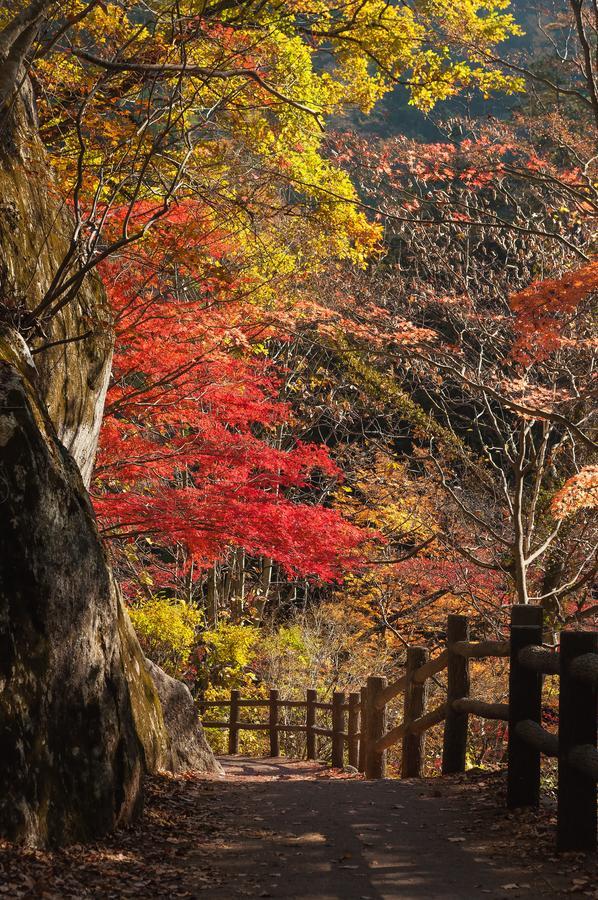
(353, 729)
(233, 723)
(525, 702)
(576, 824)
(363, 728)
(375, 760)
(338, 727)
(310, 723)
(273, 721)
(414, 706)
(454, 746)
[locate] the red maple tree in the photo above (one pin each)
(188, 459)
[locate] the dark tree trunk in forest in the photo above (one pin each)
(80, 717)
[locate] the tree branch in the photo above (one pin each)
(196, 71)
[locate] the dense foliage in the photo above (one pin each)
(352, 387)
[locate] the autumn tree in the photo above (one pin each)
(142, 107)
(497, 390)
(188, 470)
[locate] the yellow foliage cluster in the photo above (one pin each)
(229, 649)
(250, 659)
(167, 631)
(226, 104)
(389, 600)
(384, 497)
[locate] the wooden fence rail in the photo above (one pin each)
(359, 722)
(341, 709)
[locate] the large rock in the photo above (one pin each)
(80, 718)
(72, 759)
(189, 749)
(35, 230)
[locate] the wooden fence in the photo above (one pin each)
(340, 708)
(368, 739)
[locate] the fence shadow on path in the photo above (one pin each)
(316, 838)
(358, 724)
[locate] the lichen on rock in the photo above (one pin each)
(72, 761)
(35, 231)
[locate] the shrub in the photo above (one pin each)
(227, 654)
(166, 630)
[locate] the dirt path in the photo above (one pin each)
(317, 837)
(281, 829)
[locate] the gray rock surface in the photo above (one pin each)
(80, 718)
(71, 758)
(35, 231)
(189, 749)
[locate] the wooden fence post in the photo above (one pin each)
(412, 759)
(375, 760)
(525, 702)
(310, 723)
(353, 729)
(273, 722)
(363, 728)
(233, 726)
(454, 745)
(576, 823)
(338, 727)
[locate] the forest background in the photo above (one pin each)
(352, 383)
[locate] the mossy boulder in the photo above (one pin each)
(188, 748)
(35, 233)
(72, 758)
(81, 721)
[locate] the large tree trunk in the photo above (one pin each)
(80, 717)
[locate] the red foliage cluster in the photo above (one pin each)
(188, 451)
(543, 307)
(579, 492)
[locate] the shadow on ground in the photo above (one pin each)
(278, 828)
(307, 836)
